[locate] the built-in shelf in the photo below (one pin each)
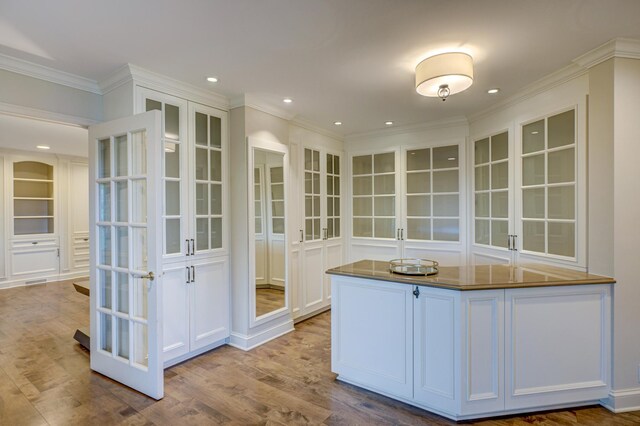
(33, 203)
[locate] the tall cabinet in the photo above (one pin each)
(195, 241)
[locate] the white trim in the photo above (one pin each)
(189, 355)
(308, 125)
(411, 128)
(252, 101)
(31, 69)
(39, 114)
(48, 279)
(246, 342)
(618, 47)
(622, 401)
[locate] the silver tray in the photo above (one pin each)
(413, 266)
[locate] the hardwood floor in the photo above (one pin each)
(45, 379)
(268, 299)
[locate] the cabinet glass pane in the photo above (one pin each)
(385, 228)
(141, 348)
(384, 163)
(362, 227)
(277, 175)
(533, 236)
(216, 232)
(385, 184)
(151, 105)
(104, 158)
(562, 166)
(445, 157)
(308, 230)
(308, 206)
(140, 298)
(316, 206)
(482, 231)
(500, 175)
(172, 198)
(336, 165)
(330, 232)
(216, 166)
(122, 246)
(278, 226)
(139, 201)
(419, 159)
(419, 183)
(482, 178)
(500, 204)
(446, 229)
(215, 132)
(329, 185)
(216, 199)
(336, 209)
(499, 233)
(139, 248)
(482, 151)
(362, 206)
(533, 137)
(384, 206)
(258, 226)
(329, 164)
(202, 198)
(418, 205)
(336, 227)
(561, 129)
(500, 147)
(171, 121)
(308, 182)
(316, 161)
(122, 201)
(104, 239)
(123, 338)
(172, 235)
(362, 165)
(202, 233)
(172, 160)
(104, 192)
(362, 185)
(104, 284)
(277, 208)
(533, 170)
(122, 292)
(562, 239)
(105, 332)
(336, 185)
(482, 204)
(121, 156)
(561, 202)
(277, 191)
(418, 229)
(445, 181)
(139, 153)
(533, 203)
(445, 205)
(316, 229)
(316, 183)
(202, 169)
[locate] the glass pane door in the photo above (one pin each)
(333, 196)
(125, 344)
(312, 231)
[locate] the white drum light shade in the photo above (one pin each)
(452, 69)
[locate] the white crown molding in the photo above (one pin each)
(412, 128)
(255, 102)
(38, 114)
(20, 66)
(618, 48)
(312, 127)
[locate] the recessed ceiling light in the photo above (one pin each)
(451, 158)
(287, 100)
(535, 132)
(43, 147)
(338, 123)
(389, 123)
(212, 79)
(493, 91)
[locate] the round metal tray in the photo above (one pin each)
(413, 266)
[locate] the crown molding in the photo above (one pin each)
(411, 128)
(255, 102)
(618, 48)
(31, 69)
(39, 114)
(312, 127)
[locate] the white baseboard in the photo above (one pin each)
(621, 401)
(182, 358)
(45, 279)
(248, 342)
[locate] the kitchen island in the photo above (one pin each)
(473, 341)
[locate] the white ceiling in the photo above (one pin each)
(26, 134)
(347, 60)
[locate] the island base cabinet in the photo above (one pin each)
(558, 343)
(372, 335)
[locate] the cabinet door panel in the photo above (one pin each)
(175, 291)
(209, 302)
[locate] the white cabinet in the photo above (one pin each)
(408, 202)
(321, 238)
(195, 237)
(78, 222)
(529, 191)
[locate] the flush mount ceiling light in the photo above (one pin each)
(445, 74)
(493, 91)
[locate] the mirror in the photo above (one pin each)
(269, 236)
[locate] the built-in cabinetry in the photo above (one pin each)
(468, 354)
(408, 202)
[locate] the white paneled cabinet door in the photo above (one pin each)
(176, 280)
(209, 302)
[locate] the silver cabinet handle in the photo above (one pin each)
(402, 234)
(187, 241)
(508, 242)
(188, 275)
(193, 273)
(398, 234)
(515, 242)
(301, 236)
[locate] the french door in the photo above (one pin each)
(126, 249)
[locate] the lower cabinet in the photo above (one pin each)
(34, 258)
(196, 307)
(470, 354)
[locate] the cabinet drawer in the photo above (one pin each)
(34, 243)
(32, 261)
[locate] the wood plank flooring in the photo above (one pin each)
(45, 379)
(268, 299)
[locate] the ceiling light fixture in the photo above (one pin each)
(212, 79)
(389, 123)
(445, 74)
(43, 147)
(493, 91)
(338, 123)
(287, 100)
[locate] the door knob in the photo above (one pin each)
(150, 276)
